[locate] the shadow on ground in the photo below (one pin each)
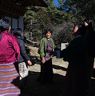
(35, 88)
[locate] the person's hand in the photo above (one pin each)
(43, 60)
(29, 62)
(85, 23)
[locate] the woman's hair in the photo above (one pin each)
(1, 28)
(47, 30)
(18, 32)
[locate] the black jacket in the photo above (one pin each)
(23, 55)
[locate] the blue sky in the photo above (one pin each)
(56, 3)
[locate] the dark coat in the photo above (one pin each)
(80, 62)
(23, 54)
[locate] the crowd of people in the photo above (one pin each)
(14, 59)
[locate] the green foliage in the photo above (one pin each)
(58, 20)
(84, 8)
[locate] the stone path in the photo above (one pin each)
(59, 66)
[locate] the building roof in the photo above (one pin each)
(17, 7)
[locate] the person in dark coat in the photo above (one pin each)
(80, 62)
(24, 58)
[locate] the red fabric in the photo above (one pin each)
(9, 48)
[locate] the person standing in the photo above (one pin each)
(24, 58)
(46, 51)
(80, 61)
(9, 54)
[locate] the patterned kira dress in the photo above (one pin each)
(8, 73)
(9, 53)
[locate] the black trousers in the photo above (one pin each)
(46, 74)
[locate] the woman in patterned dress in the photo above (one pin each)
(9, 54)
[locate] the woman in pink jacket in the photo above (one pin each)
(9, 54)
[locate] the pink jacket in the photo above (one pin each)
(9, 48)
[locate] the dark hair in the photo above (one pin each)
(2, 29)
(17, 32)
(47, 30)
(4, 24)
(19, 29)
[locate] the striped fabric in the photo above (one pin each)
(8, 73)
